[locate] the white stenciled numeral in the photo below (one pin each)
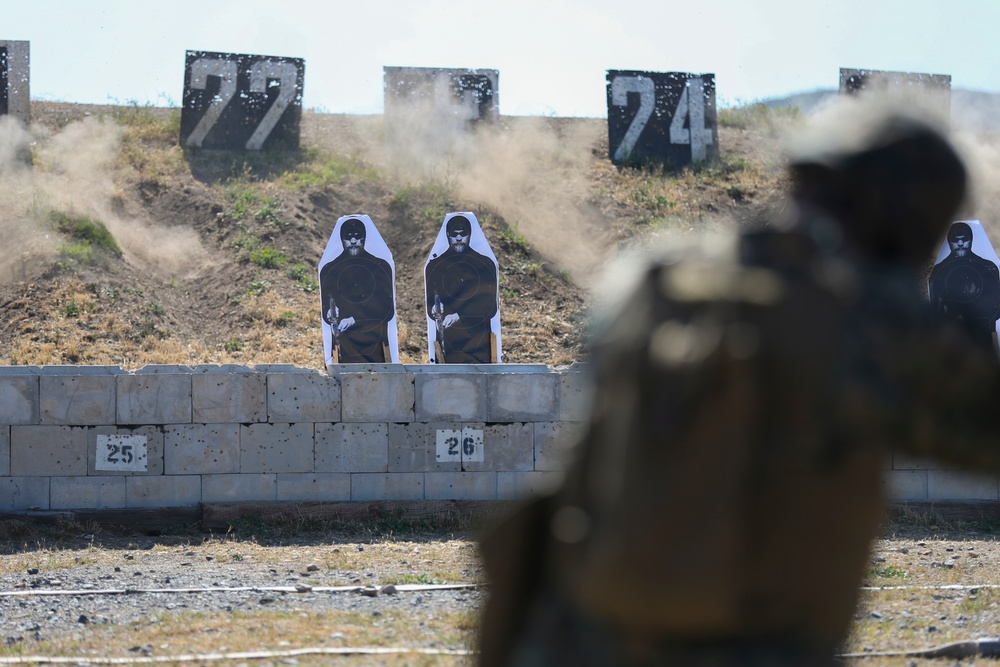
(621, 86)
(262, 72)
(691, 107)
(201, 69)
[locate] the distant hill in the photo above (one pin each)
(970, 109)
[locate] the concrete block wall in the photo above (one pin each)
(99, 437)
(912, 479)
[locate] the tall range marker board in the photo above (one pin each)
(665, 118)
(931, 92)
(236, 101)
(466, 96)
(15, 97)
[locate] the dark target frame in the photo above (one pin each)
(236, 101)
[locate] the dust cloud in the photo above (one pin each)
(73, 170)
(532, 171)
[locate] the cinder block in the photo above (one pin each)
(905, 484)
(223, 398)
(164, 369)
(901, 461)
(24, 493)
(506, 447)
(523, 397)
(522, 485)
(154, 398)
(77, 399)
(414, 447)
(575, 396)
(953, 485)
(377, 397)
(74, 370)
(555, 442)
(163, 491)
(153, 462)
(460, 486)
(276, 448)
(4, 451)
(450, 396)
(67, 493)
(19, 399)
(302, 396)
(391, 486)
(44, 451)
(352, 447)
(314, 487)
(239, 488)
(201, 449)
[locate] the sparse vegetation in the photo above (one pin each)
(268, 258)
(86, 231)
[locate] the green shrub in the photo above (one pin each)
(86, 231)
(268, 258)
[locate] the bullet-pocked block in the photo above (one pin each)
(45, 450)
(390, 486)
(377, 397)
(352, 447)
(294, 397)
(4, 451)
(523, 397)
(154, 398)
(87, 493)
(314, 487)
(24, 493)
(276, 448)
(450, 396)
(554, 444)
(199, 449)
(460, 486)
(575, 396)
(955, 485)
(414, 447)
(163, 491)
(506, 447)
(523, 485)
(902, 461)
(905, 484)
(239, 488)
(77, 399)
(104, 459)
(18, 399)
(221, 398)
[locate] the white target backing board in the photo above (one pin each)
(930, 91)
(237, 101)
(461, 279)
(964, 283)
(357, 282)
(15, 93)
(661, 117)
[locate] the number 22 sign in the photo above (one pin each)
(661, 117)
(237, 101)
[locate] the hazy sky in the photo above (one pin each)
(552, 54)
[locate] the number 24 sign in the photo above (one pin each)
(661, 117)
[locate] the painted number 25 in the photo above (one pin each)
(282, 74)
(690, 108)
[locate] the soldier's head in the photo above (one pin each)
(960, 239)
(892, 182)
(459, 231)
(352, 235)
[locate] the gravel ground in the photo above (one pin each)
(51, 593)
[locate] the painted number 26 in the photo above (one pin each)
(690, 108)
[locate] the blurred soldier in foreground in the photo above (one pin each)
(722, 501)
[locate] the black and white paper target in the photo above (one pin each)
(241, 102)
(964, 283)
(358, 295)
(15, 92)
(461, 279)
(661, 117)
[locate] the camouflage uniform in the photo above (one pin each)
(722, 502)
